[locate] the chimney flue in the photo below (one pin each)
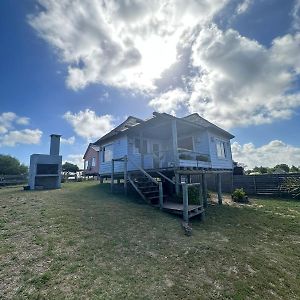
(54, 144)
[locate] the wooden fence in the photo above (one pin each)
(268, 184)
(13, 179)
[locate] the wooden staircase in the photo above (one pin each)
(148, 188)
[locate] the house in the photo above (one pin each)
(163, 150)
(91, 160)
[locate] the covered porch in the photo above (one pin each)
(167, 142)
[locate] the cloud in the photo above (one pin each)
(75, 159)
(124, 44)
(243, 6)
(88, 125)
(296, 15)
(170, 102)
(69, 141)
(9, 119)
(25, 136)
(237, 81)
(269, 155)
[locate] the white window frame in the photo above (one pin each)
(221, 149)
(108, 153)
(93, 161)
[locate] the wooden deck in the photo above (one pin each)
(177, 208)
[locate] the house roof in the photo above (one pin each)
(93, 146)
(132, 123)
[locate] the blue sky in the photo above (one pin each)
(237, 63)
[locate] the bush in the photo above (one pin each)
(292, 186)
(239, 196)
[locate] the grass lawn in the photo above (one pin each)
(83, 242)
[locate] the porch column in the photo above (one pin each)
(175, 142)
(204, 189)
(141, 150)
(219, 188)
(112, 175)
(125, 175)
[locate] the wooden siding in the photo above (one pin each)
(216, 162)
(119, 150)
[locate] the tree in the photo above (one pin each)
(283, 167)
(261, 170)
(294, 169)
(11, 166)
(69, 167)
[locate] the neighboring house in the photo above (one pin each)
(156, 155)
(91, 160)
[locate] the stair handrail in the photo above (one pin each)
(164, 176)
(143, 171)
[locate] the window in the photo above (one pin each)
(221, 153)
(108, 153)
(93, 161)
(145, 150)
(137, 146)
(186, 143)
(86, 164)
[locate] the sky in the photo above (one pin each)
(78, 68)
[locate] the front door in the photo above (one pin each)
(155, 151)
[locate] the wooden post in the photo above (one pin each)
(161, 195)
(125, 175)
(219, 184)
(175, 142)
(101, 179)
(185, 202)
(201, 194)
(177, 183)
(112, 175)
(204, 189)
(141, 150)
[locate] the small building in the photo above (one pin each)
(45, 169)
(91, 161)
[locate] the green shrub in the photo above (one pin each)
(239, 196)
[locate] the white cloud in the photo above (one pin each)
(169, 48)
(243, 6)
(9, 119)
(296, 15)
(25, 136)
(120, 43)
(269, 155)
(170, 102)
(88, 125)
(69, 141)
(75, 159)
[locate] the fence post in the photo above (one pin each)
(255, 189)
(177, 183)
(185, 202)
(201, 194)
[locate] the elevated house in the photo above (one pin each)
(158, 155)
(91, 160)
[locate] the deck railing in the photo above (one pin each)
(185, 154)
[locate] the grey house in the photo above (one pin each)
(163, 148)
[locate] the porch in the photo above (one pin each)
(165, 142)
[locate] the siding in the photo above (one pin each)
(88, 158)
(119, 150)
(216, 162)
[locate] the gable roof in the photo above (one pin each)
(93, 146)
(195, 118)
(128, 123)
(133, 122)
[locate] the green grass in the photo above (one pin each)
(83, 242)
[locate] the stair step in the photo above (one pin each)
(148, 187)
(155, 197)
(150, 192)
